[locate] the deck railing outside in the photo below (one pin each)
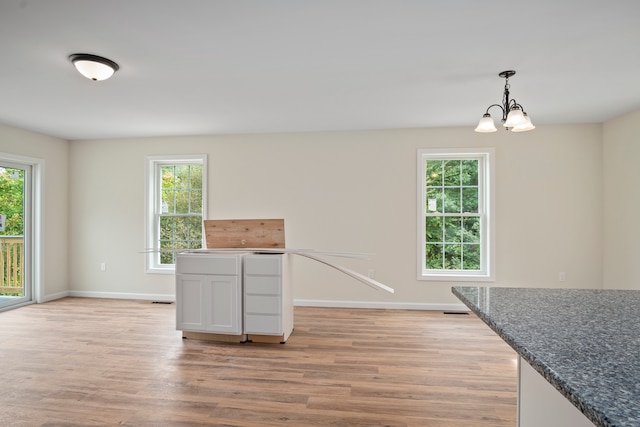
(11, 265)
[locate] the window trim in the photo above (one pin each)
(487, 199)
(36, 223)
(152, 200)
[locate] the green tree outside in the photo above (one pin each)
(181, 218)
(12, 201)
(452, 235)
(11, 251)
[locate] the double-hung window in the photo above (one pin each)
(176, 206)
(455, 214)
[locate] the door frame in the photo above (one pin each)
(33, 223)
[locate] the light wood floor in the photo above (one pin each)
(99, 362)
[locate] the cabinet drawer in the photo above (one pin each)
(262, 304)
(207, 264)
(263, 265)
(262, 324)
(264, 285)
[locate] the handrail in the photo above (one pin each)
(11, 264)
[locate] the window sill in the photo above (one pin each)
(456, 278)
(166, 270)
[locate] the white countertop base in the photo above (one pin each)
(539, 404)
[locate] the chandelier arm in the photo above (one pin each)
(495, 105)
(515, 104)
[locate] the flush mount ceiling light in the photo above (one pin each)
(513, 117)
(93, 67)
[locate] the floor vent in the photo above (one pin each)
(161, 302)
(464, 313)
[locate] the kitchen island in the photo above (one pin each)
(579, 351)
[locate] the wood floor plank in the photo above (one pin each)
(101, 362)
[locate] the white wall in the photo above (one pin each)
(348, 191)
(621, 160)
(55, 153)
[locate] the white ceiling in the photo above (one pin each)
(241, 66)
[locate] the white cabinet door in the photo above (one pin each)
(208, 303)
(190, 313)
(222, 302)
(209, 293)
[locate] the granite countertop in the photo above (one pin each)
(585, 342)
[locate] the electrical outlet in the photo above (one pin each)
(103, 266)
(562, 276)
(371, 273)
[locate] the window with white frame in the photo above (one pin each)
(175, 208)
(455, 214)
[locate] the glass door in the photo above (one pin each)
(15, 219)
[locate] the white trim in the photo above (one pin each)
(11, 307)
(382, 305)
(38, 212)
(296, 302)
(122, 295)
(53, 297)
(462, 277)
(150, 183)
(487, 201)
(38, 215)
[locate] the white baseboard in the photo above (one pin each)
(120, 295)
(52, 297)
(385, 305)
(297, 302)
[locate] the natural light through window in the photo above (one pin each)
(455, 214)
(176, 201)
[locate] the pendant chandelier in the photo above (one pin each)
(514, 118)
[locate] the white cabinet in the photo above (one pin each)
(246, 296)
(268, 298)
(540, 404)
(209, 293)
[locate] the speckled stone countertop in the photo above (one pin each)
(585, 342)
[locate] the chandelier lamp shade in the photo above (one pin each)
(514, 118)
(93, 67)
